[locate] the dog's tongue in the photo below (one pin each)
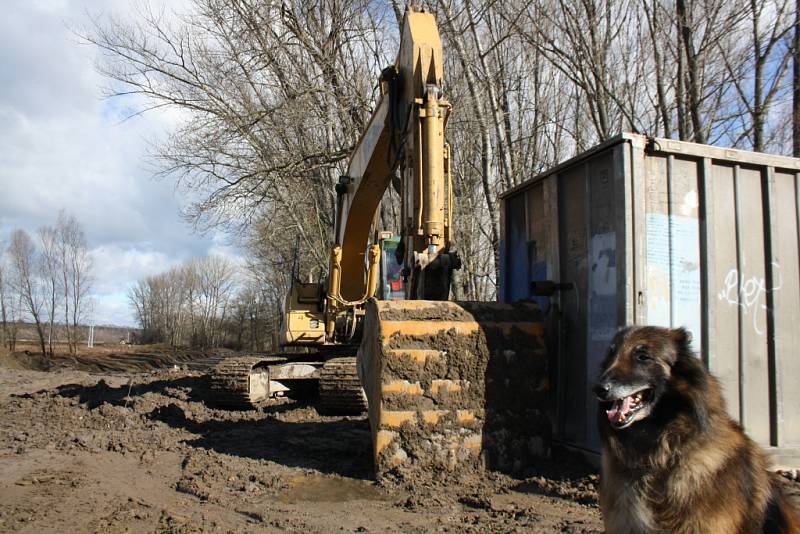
(619, 410)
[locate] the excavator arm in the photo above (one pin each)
(405, 133)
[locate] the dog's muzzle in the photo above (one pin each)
(623, 404)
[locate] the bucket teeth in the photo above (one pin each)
(441, 376)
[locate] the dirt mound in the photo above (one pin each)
(109, 359)
(23, 361)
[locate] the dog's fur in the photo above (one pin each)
(678, 463)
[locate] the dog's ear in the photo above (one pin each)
(682, 340)
(681, 337)
(691, 370)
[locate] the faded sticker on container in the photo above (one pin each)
(673, 272)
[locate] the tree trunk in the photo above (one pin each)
(661, 93)
(40, 331)
(51, 323)
(758, 80)
(796, 83)
(486, 168)
(501, 135)
(692, 70)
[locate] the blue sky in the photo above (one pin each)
(64, 146)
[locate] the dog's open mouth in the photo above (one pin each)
(622, 412)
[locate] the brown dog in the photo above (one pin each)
(673, 461)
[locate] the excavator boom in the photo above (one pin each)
(405, 133)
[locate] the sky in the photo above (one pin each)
(64, 146)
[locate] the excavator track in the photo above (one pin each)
(340, 390)
(453, 386)
(241, 382)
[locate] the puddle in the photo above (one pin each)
(325, 489)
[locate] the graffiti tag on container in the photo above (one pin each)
(749, 293)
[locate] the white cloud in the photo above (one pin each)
(66, 147)
(115, 268)
(111, 309)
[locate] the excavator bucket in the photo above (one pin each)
(454, 386)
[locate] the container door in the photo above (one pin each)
(572, 383)
(590, 256)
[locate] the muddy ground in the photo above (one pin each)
(89, 450)
(101, 449)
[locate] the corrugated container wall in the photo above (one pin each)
(662, 232)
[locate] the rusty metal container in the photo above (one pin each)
(657, 231)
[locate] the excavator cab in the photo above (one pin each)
(304, 313)
(390, 285)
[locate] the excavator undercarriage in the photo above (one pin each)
(249, 381)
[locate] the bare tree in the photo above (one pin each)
(215, 283)
(51, 277)
(8, 308)
(139, 298)
(26, 280)
(75, 263)
(275, 96)
(583, 40)
(186, 305)
(253, 321)
(758, 65)
(481, 119)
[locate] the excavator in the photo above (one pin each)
(446, 384)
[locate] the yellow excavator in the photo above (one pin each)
(447, 384)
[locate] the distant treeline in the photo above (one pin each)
(204, 303)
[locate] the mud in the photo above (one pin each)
(457, 387)
(104, 359)
(144, 452)
(466, 311)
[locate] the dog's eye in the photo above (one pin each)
(612, 348)
(641, 354)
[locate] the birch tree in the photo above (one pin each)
(51, 273)
(8, 304)
(75, 264)
(26, 281)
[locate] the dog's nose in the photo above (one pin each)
(601, 390)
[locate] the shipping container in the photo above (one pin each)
(655, 231)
